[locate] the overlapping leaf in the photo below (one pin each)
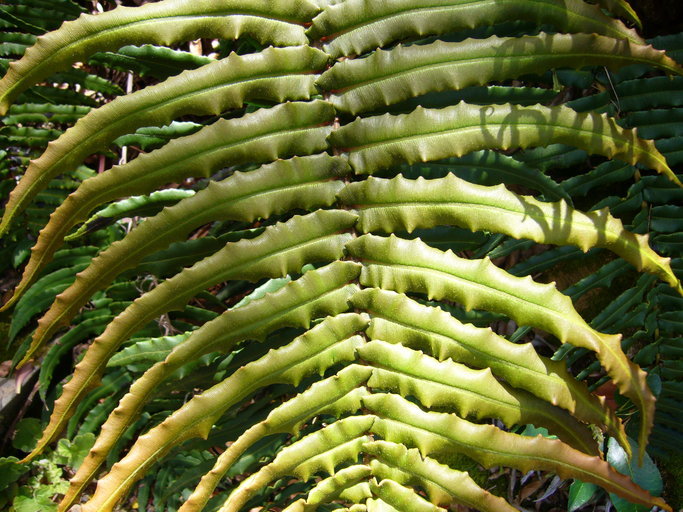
(380, 390)
(168, 22)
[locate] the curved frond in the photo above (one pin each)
(474, 393)
(254, 336)
(355, 26)
(167, 22)
(400, 421)
(402, 265)
(388, 77)
(400, 204)
(300, 182)
(397, 318)
(275, 74)
(331, 391)
(318, 293)
(430, 134)
(442, 484)
(621, 8)
(263, 136)
(283, 249)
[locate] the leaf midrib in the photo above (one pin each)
(436, 9)
(599, 346)
(493, 125)
(160, 236)
(231, 275)
(434, 66)
(485, 448)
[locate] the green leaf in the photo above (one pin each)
(354, 26)
(143, 206)
(40, 295)
(337, 394)
(489, 168)
(275, 74)
(621, 8)
(580, 493)
(42, 113)
(317, 235)
(153, 137)
(263, 136)
(388, 77)
(82, 79)
(11, 470)
(400, 497)
(301, 356)
(646, 475)
(656, 124)
(26, 434)
(552, 156)
(320, 292)
(300, 182)
(383, 141)
(603, 175)
(154, 350)
(443, 484)
(162, 23)
(432, 433)
(396, 318)
(320, 451)
(72, 453)
(178, 255)
(471, 393)
(335, 487)
(30, 504)
(149, 60)
(403, 266)
(400, 204)
(9, 18)
(84, 328)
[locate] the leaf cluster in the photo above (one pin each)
(301, 321)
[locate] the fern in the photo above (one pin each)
(353, 363)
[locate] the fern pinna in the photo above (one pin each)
(330, 151)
